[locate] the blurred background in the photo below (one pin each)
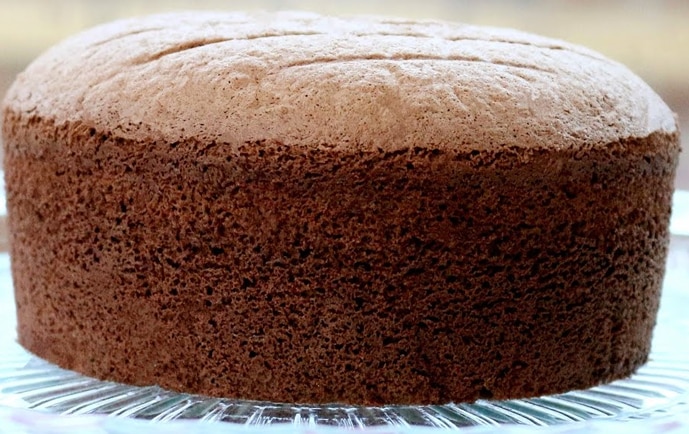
(651, 37)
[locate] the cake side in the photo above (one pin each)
(352, 84)
(407, 276)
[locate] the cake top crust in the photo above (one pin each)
(351, 84)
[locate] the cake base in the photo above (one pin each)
(278, 274)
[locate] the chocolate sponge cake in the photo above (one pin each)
(306, 209)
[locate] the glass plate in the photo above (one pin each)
(658, 391)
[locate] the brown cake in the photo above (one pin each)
(305, 209)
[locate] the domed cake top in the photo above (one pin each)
(349, 84)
